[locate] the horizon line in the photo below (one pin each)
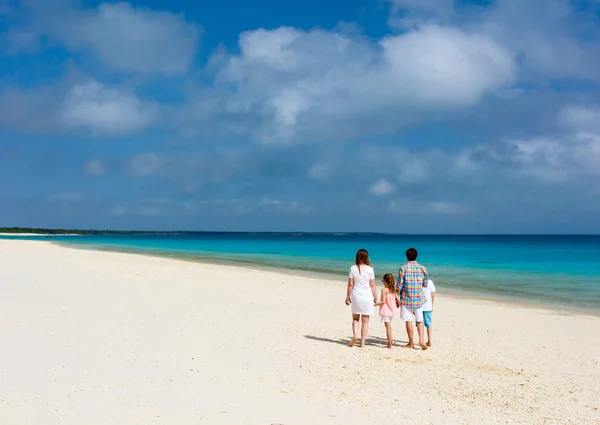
(41, 231)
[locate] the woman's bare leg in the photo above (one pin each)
(355, 324)
(364, 330)
(388, 331)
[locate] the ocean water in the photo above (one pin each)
(557, 271)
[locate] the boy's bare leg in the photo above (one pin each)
(421, 331)
(429, 336)
(409, 333)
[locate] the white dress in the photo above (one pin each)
(361, 298)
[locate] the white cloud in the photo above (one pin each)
(552, 38)
(268, 201)
(319, 172)
(542, 160)
(144, 208)
(406, 14)
(232, 206)
(538, 150)
(144, 164)
(66, 196)
(150, 211)
(125, 38)
(118, 210)
(297, 207)
(424, 207)
(94, 167)
(321, 85)
(265, 204)
(412, 170)
(26, 110)
(281, 206)
(141, 210)
(464, 164)
(219, 166)
(440, 207)
(587, 151)
(271, 48)
(560, 157)
(106, 110)
(411, 167)
(140, 40)
(446, 66)
(578, 150)
(66, 199)
(382, 188)
(581, 118)
(191, 208)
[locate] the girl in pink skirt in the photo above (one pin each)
(388, 305)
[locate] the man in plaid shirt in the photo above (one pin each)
(412, 278)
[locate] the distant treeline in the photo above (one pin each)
(85, 232)
(169, 232)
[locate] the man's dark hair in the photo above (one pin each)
(411, 254)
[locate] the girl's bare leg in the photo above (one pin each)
(364, 330)
(355, 324)
(388, 331)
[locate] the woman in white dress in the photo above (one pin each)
(362, 295)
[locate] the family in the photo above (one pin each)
(409, 295)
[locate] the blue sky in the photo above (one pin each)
(420, 116)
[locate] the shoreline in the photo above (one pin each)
(298, 272)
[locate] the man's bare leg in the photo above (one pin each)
(421, 331)
(409, 332)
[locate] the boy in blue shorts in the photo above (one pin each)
(429, 292)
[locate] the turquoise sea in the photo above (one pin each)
(557, 271)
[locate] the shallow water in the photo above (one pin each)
(560, 271)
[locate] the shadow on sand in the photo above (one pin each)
(372, 340)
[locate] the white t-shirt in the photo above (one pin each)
(361, 280)
(428, 306)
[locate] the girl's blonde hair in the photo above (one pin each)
(389, 282)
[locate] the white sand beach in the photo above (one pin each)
(108, 338)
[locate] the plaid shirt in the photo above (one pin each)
(412, 277)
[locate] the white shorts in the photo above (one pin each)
(386, 319)
(407, 314)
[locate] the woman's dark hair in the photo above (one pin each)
(411, 254)
(362, 257)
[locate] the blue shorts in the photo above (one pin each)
(427, 318)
